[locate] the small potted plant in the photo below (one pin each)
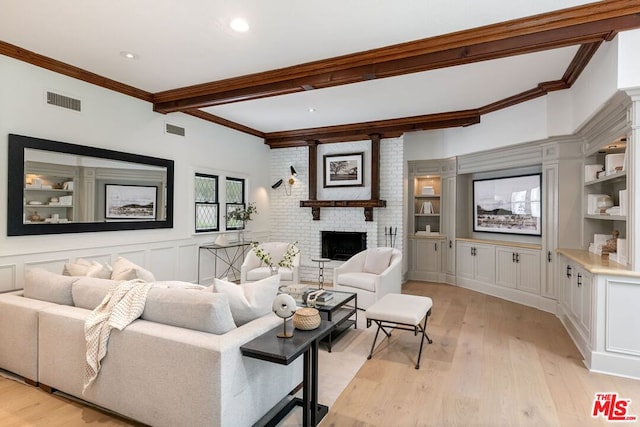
(242, 215)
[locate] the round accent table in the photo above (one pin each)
(320, 262)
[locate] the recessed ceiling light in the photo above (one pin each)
(128, 55)
(239, 25)
(312, 110)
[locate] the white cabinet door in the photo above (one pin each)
(529, 270)
(549, 232)
(565, 275)
(485, 263)
(584, 282)
(428, 255)
(464, 260)
(518, 268)
(506, 267)
(448, 216)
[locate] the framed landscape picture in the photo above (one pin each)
(508, 205)
(343, 170)
(130, 202)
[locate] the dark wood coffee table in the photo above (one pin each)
(271, 348)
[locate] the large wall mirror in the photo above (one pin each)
(57, 187)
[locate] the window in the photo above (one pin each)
(207, 206)
(235, 202)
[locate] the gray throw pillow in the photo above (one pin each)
(44, 285)
(189, 308)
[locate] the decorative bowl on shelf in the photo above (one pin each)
(604, 202)
(306, 318)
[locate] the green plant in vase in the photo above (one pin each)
(237, 218)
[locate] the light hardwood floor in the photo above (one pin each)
(492, 363)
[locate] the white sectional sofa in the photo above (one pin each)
(161, 372)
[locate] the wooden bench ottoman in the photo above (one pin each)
(400, 311)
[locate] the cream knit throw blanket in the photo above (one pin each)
(122, 305)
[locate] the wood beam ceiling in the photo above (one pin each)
(395, 127)
(586, 24)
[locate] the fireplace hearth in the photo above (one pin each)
(342, 245)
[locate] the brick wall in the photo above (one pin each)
(290, 222)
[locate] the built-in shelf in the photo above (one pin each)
(432, 196)
(607, 217)
(428, 214)
(620, 175)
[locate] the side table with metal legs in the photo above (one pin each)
(321, 262)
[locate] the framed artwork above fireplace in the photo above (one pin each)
(343, 170)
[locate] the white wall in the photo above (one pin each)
(290, 222)
(118, 122)
(628, 59)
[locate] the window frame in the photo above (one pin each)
(235, 205)
(215, 203)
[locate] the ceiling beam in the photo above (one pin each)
(585, 24)
(361, 131)
(395, 127)
(224, 122)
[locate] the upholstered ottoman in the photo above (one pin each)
(400, 311)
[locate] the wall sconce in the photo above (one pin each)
(291, 181)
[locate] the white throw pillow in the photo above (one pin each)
(377, 260)
(251, 300)
(123, 269)
(78, 268)
(99, 271)
(178, 284)
(44, 285)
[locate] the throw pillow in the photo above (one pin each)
(99, 271)
(188, 308)
(178, 284)
(44, 285)
(377, 260)
(88, 292)
(251, 300)
(78, 268)
(123, 269)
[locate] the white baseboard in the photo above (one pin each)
(514, 295)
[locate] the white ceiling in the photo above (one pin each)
(185, 42)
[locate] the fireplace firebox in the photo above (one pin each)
(342, 245)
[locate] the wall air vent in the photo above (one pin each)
(174, 130)
(63, 101)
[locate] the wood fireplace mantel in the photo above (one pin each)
(368, 205)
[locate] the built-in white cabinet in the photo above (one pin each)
(426, 259)
(449, 226)
(577, 298)
(431, 220)
(476, 261)
(518, 268)
(599, 303)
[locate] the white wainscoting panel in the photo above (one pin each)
(622, 317)
(163, 262)
(7, 277)
(188, 262)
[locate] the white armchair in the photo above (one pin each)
(371, 273)
(253, 269)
